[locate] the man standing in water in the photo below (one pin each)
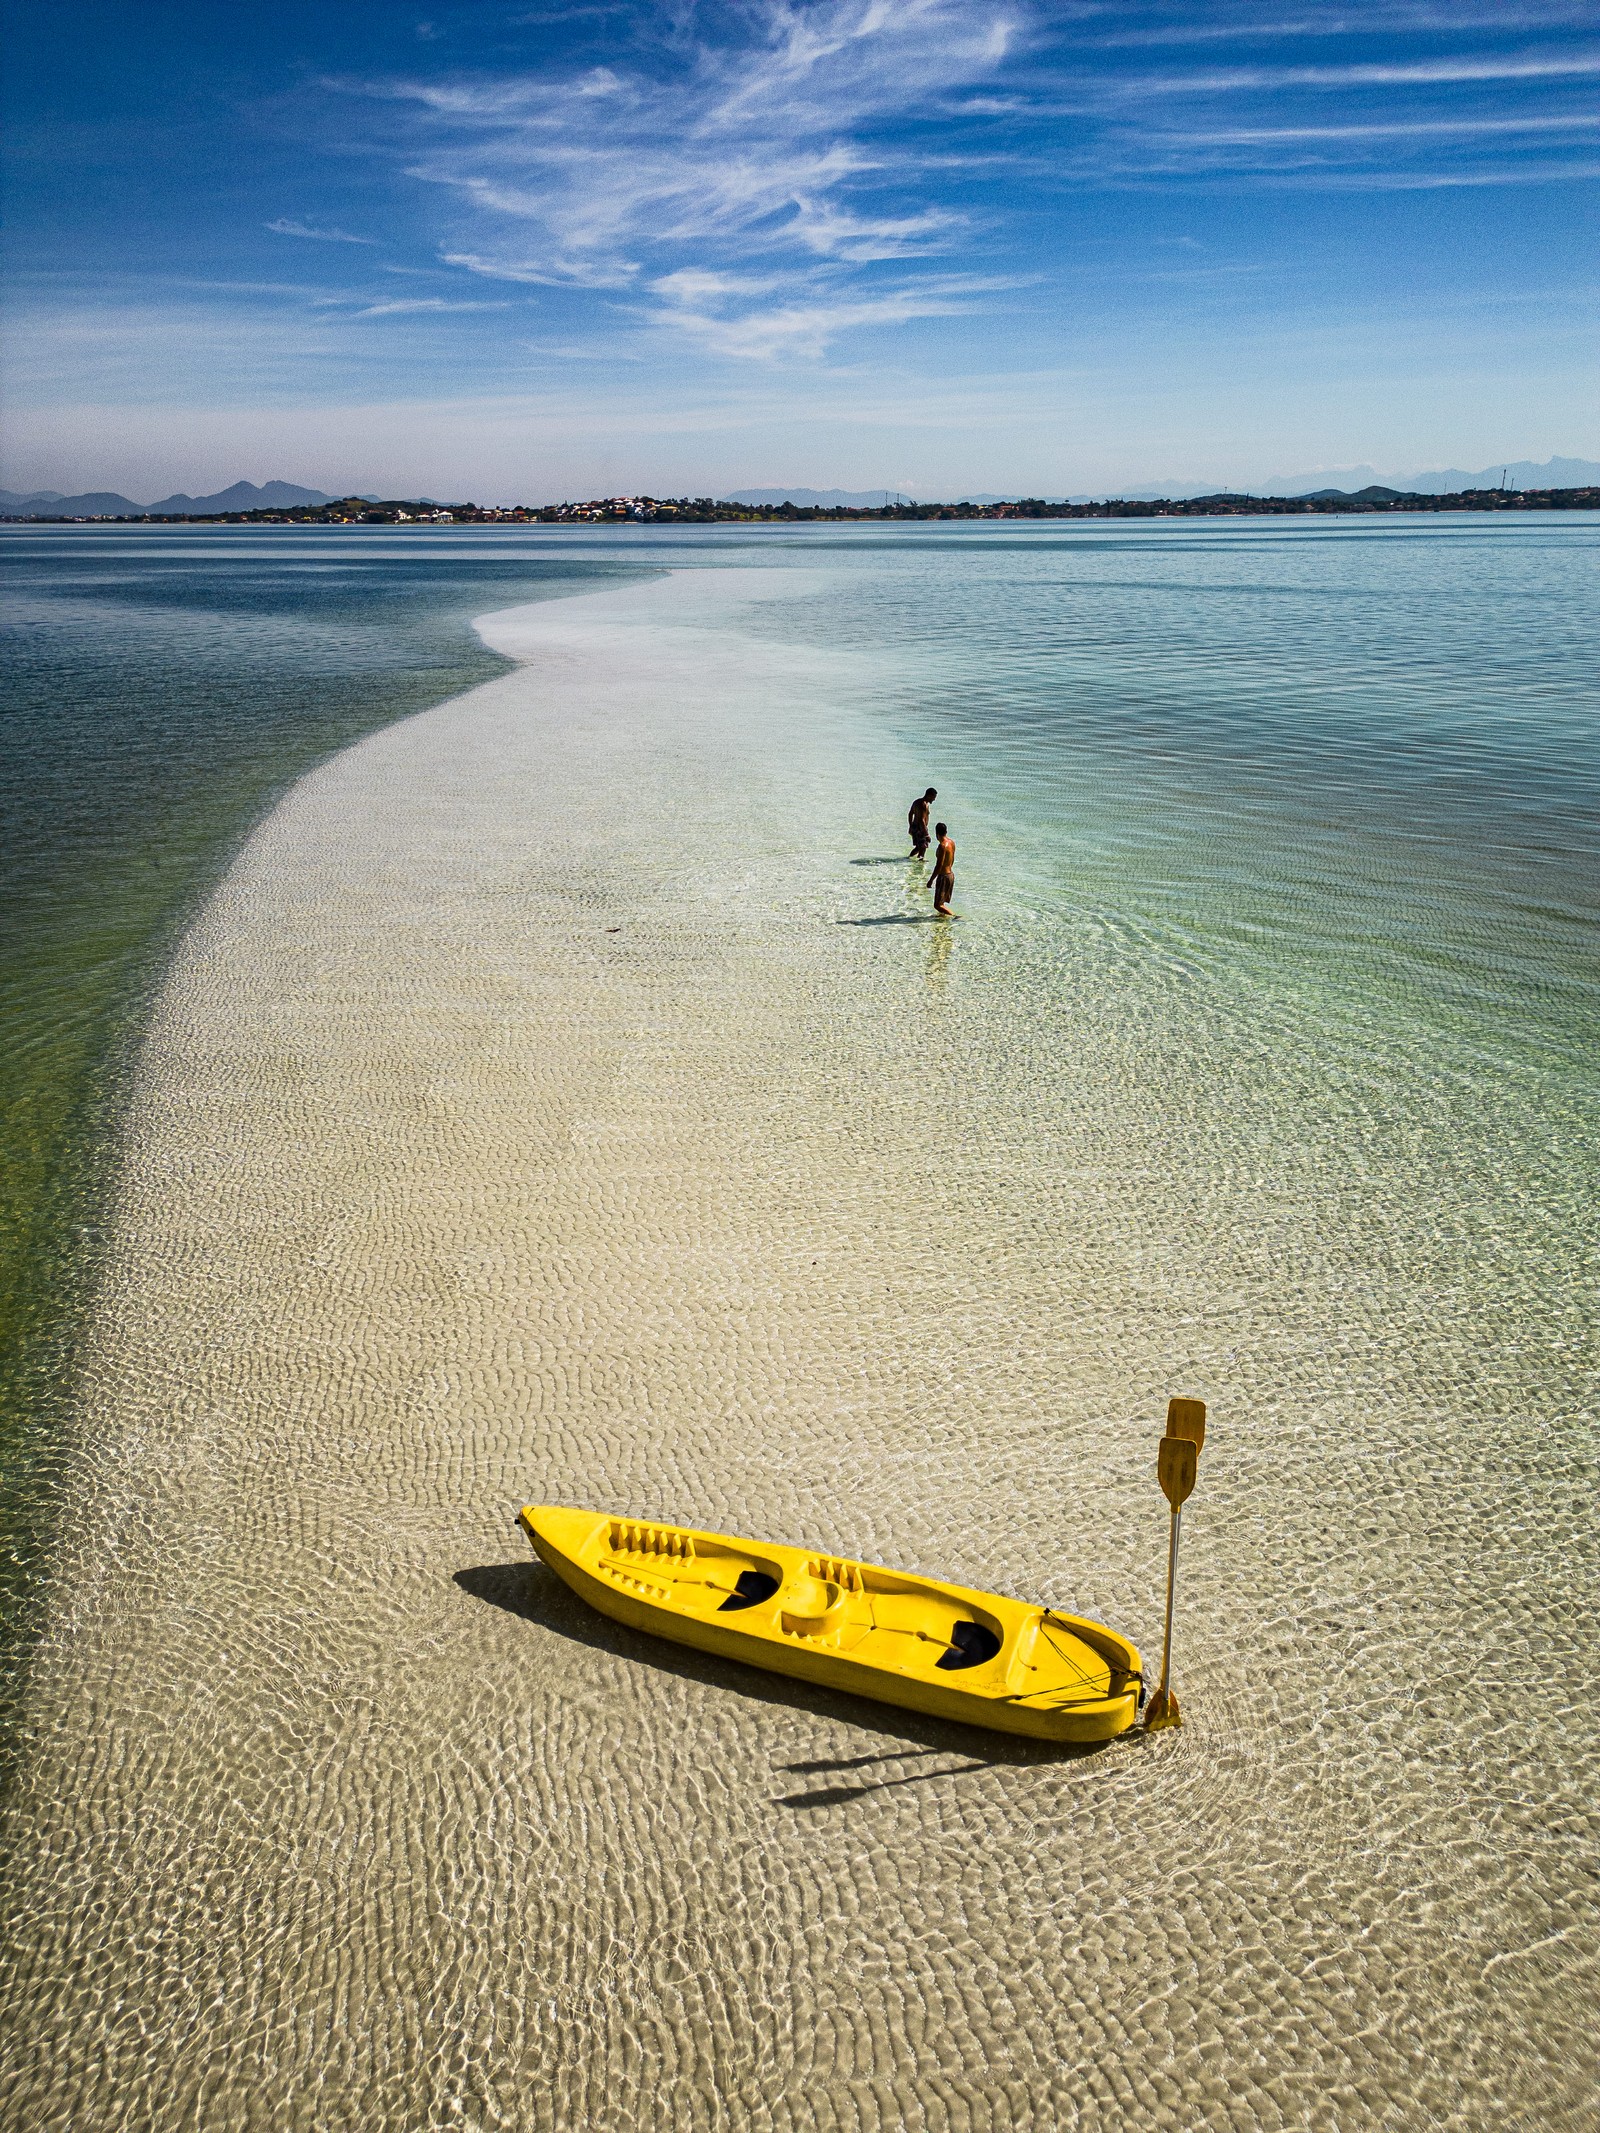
(942, 881)
(918, 823)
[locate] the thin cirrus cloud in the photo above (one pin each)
(1444, 180)
(806, 162)
(344, 304)
(410, 304)
(696, 304)
(1404, 129)
(596, 212)
(1458, 17)
(772, 150)
(286, 227)
(1369, 74)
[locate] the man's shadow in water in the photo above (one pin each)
(535, 1594)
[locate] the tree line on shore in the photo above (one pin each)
(706, 510)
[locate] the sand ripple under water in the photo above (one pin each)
(527, 1117)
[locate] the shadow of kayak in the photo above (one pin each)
(536, 1595)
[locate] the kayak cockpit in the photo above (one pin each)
(825, 1602)
(971, 1644)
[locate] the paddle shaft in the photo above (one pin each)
(1172, 1588)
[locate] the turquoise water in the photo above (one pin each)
(1326, 796)
(1347, 774)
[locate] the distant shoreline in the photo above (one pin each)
(700, 511)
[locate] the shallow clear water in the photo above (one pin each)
(160, 687)
(1260, 1065)
(1335, 786)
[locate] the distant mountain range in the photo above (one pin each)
(1337, 481)
(1354, 481)
(1450, 481)
(105, 503)
(1331, 482)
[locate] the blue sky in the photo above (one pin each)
(941, 245)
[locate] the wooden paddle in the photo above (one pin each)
(1177, 1466)
(1187, 1418)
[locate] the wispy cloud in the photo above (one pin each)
(1369, 74)
(705, 289)
(768, 177)
(766, 149)
(582, 352)
(568, 272)
(398, 305)
(1457, 17)
(1419, 152)
(285, 227)
(358, 303)
(697, 305)
(1235, 32)
(1404, 129)
(1445, 180)
(839, 233)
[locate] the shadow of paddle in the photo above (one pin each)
(842, 1795)
(535, 1595)
(900, 859)
(891, 918)
(858, 1762)
(1004, 1753)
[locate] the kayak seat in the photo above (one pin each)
(752, 1587)
(970, 1645)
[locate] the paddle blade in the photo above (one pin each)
(1163, 1711)
(1177, 1463)
(1187, 1418)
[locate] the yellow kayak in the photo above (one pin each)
(971, 1656)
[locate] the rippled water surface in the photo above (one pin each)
(567, 1094)
(159, 688)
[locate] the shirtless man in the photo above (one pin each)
(917, 821)
(942, 881)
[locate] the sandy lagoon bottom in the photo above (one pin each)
(530, 1116)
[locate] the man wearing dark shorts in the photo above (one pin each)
(942, 881)
(917, 821)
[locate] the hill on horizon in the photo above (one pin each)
(1327, 482)
(1519, 474)
(107, 503)
(1356, 481)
